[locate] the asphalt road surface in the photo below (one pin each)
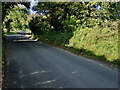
(32, 64)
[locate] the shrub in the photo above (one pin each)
(102, 41)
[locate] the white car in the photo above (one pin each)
(23, 32)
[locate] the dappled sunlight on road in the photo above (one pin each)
(25, 40)
(74, 72)
(34, 73)
(21, 38)
(45, 82)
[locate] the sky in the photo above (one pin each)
(35, 2)
(32, 4)
(21, 6)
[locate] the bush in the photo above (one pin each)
(39, 25)
(57, 38)
(102, 41)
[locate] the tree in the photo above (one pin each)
(17, 18)
(6, 6)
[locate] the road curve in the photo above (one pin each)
(32, 64)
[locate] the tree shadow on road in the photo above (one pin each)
(91, 55)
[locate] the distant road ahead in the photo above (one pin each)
(32, 64)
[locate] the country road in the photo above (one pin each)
(32, 64)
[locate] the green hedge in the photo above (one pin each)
(102, 41)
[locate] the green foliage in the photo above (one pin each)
(57, 38)
(38, 24)
(7, 6)
(8, 25)
(85, 15)
(16, 19)
(102, 41)
(69, 24)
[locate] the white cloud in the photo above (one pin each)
(21, 6)
(32, 4)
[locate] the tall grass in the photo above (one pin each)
(102, 41)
